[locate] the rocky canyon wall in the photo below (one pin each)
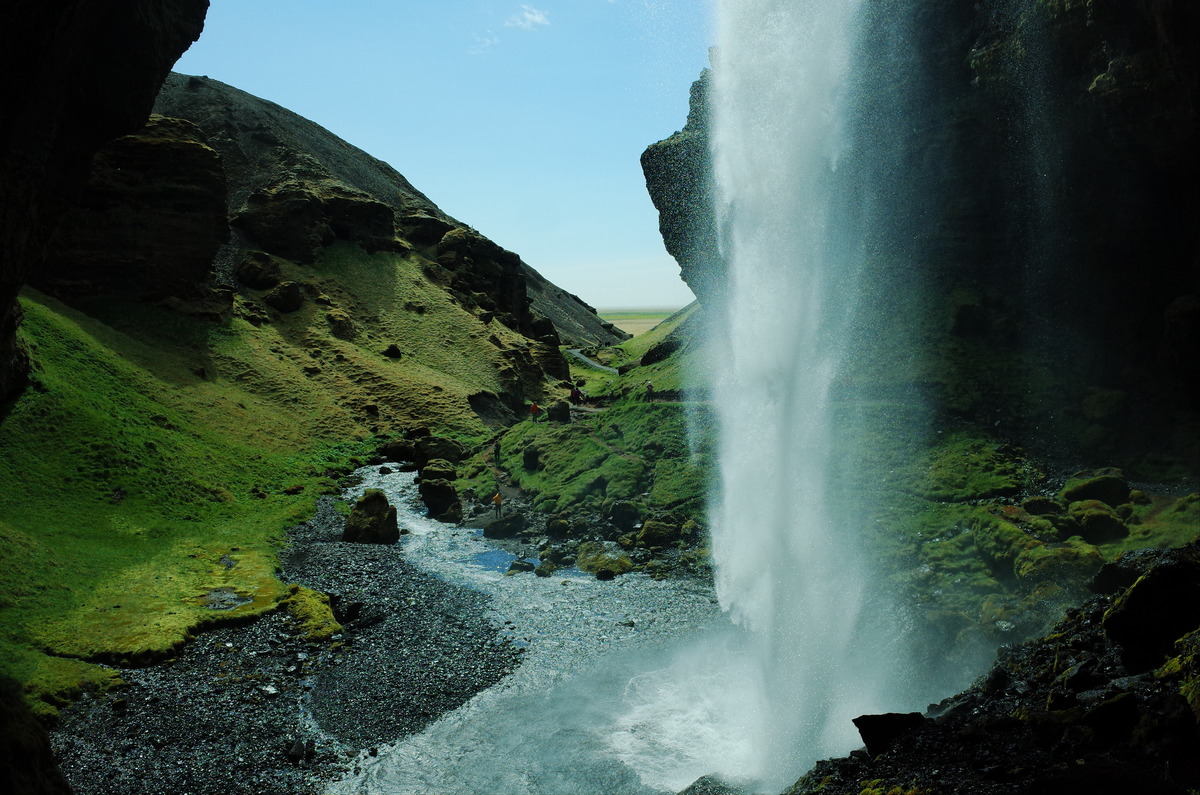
(77, 75)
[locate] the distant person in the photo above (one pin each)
(535, 411)
(576, 395)
(498, 504)
(649, 391)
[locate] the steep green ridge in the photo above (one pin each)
(150, 472)
(623, 484)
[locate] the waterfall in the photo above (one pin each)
(785, 525)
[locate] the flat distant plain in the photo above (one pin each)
(635, 321)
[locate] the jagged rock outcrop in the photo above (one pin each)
(148, 223)
(679, 177)
(77, 75)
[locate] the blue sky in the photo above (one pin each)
(523, 120)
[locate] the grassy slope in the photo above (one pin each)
(159, 458)
(631, 450)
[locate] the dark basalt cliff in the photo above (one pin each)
(77, 75)
(679, 177)
(1041, 192)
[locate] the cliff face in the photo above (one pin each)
(147, 224)
(1041, 188)
(77, 75)
(679, 178)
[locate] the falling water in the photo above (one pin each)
(785, 537)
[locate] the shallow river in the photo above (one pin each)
(627, 686)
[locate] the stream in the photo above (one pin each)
(628, 686)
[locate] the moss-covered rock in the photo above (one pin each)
(596, 557)
(1098, 523)
(1106, 485)
(656, 535)
(1071, 562)
(312, 612)
(372, 520)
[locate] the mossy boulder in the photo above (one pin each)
(1098, 523)
(285, 297)
(1106, 485)
(1000, 542)
(312, 612)
(341, 325)
(259, 270)
(372, 520)
(1071, 562)
(439, 469)
(656, 535)
(596, 557)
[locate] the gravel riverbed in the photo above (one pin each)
(430, 624)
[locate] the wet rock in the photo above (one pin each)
(880, 732)
(509, 526)
(1148, 617)
(441, 500)
(624, 515)
(1106, 485)
(1098, 523)
(520, 566)
(372, 520)
(655, 534)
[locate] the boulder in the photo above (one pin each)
(655, 535)
(880, 732)
(530, 459)
(259, 270)
(624, 514)
(1160, 607)
(1106, 485)
(505, 527)
(438, 469)
(372, 520)
(341, 325)
(1098, 523)
(441, 500)
(519, 566)
(559, 411)
(285, 296)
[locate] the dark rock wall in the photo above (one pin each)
(1038, 181)
(148, 222)
(679, 177)
(76, 75)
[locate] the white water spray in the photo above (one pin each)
(784, 541)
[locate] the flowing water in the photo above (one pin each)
(635, 686)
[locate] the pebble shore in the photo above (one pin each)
(256, 709)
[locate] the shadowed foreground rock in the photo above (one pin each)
(1105, 703)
